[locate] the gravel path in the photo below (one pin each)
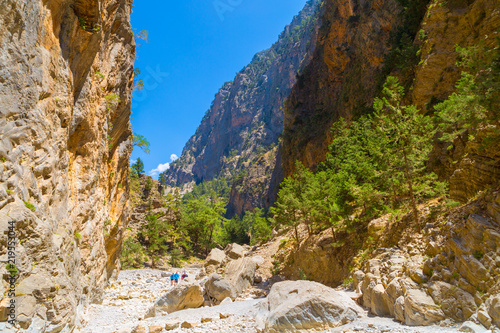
(127, 300)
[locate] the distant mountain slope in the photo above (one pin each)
(246, 117)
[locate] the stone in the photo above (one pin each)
(420, 309)
(259, 260)
(226, 300)
(150, 313)
(484, 318)
(235, 251)
(206, 320)
(165, 274)
(187, 324)
(357, 279)
(183, 296)
(378, 305)
(37, 325)
(391, 294)
(171, 325)
(219, 288)
(399, 309)
(155, 329)
(455, 302)
(40, 282)
(215, 258)
(224, 315)
(472, 327)
(139, 329)
(306, 305)
(240, 274)
(493, 306)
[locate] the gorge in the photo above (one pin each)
(87, 238)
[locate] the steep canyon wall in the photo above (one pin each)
(66, 76)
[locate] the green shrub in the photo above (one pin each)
(30, 206)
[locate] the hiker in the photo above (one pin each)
(184, 275)
(172, 278)
(176, 277)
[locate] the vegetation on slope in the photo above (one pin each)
(377, 164)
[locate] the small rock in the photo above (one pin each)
(226, 300)
(155, 329)
(149, 280)
(224, 315)
(187, 324)
(139, 329)
(206, 320)
(171, 325)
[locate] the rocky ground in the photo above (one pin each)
(127, 301)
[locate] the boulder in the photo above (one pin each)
(185, 295)
(399, 309)
(357, 279)
(259, 260)
(215, 258)
(493, 305)
(235, 251)
(306, 305)
(241, 274)
(391, 294)
(420, 309)
(471, 327)
(219, 288)
(455, 302)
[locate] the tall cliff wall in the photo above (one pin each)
(340, 81)
(351, 59)
(246, 117)
(66, 76)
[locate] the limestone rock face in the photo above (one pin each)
(185, 295)
(298, 306)
(341, 78)
(241, 274)
(66, 70)
(243, 125)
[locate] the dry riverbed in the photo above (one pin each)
(128, 299)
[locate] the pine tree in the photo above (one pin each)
(407, 135)
(138, 166)
(154, 236)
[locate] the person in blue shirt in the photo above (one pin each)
(172, 278)
(176, 277)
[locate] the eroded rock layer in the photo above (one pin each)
(66, 70)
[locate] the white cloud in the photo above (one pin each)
(133, 162)
(174, 157)
(159, 169)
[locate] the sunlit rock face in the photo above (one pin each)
(246, 119)
(341, 81)
(66, 76)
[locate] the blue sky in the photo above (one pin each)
(194, 47)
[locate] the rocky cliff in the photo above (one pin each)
(66, 76)
(246, 117)
(341, 79)
(359, 44)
